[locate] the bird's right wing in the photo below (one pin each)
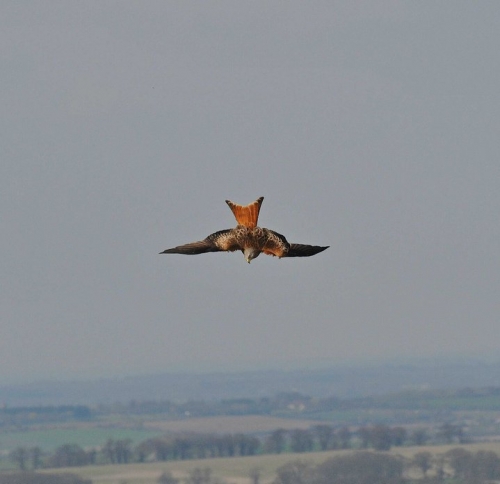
(193, 248)
(216, 242)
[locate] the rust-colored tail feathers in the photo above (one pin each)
(246, 215)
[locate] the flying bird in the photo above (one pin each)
(251, 239)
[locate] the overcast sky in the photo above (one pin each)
(372, 127)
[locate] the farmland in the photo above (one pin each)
(237, 470)
(138, 440)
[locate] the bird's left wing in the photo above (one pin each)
(275, 244)
(278, 246)
(302, 250)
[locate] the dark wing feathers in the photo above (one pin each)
(216, 242)
(278, 245)
(301, 250)
(193, 248)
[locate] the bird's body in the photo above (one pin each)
(248, 237)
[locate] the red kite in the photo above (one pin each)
(247, 237)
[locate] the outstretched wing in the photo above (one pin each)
(193, 248)
(275, 244)
(301, 250)
(223, 240)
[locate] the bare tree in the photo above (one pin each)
(199, 476)
(295, 472)
(381, 437)
(423, 460)
(486, 465)
(449, 432)
(109, 451)
(324, 434)
(365, 434)
(38, 478)
(255, 475)
(361, 467)
(459, 460)
(167, 478)
(344, 434)
(419, 437)
(301, 440)
(275, 443)
(68, 455)
(398, 436)
(19, 456)
(202, 476)
(123, 451)
(36, 457)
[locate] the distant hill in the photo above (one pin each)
(339, 381)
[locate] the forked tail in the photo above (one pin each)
(246, 215)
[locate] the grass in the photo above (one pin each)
(247, 424)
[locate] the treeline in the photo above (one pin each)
(282, 404)
(294, 402)
(204, 446)
(24, 416)
(36, 478)
(458, 465)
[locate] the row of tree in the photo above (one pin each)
(362, 467)
(15, 417)
(201, 446)
(36, 478)
(359, 467)
(457, 465)
(378, 437)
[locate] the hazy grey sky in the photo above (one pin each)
(372, 127)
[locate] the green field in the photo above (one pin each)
(89, 435)
(234, 470)
(247, 424)
(49, 439)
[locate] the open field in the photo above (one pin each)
(247, 424)
(234, 470)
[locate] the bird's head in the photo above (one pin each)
(250, 254)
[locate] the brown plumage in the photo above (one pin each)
(248, 237)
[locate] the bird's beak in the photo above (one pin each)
(248, 260)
